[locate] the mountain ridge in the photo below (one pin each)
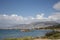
(33, 25)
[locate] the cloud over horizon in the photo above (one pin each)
(20, 19)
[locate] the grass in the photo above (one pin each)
(24, 38)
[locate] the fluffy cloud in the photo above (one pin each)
(11, 17)
(55, 16)
(39, 16)
(57, 6)
(17, 18)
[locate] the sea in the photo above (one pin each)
(18, 33)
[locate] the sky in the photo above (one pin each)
(25, 11)
(27, 7)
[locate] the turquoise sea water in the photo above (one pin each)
(19, 33)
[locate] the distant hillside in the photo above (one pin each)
(53, 27)
(32, 25)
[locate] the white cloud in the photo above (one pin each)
(4, 15)
(21, 19)
(40, 16)
(57, 6)
(14, 15)
(55, 16)
(11, 17)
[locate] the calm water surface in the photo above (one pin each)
(18, 33)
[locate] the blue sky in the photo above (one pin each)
(27, 7)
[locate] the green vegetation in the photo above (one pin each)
(24, 38)
(55, 34)
(52, 35)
